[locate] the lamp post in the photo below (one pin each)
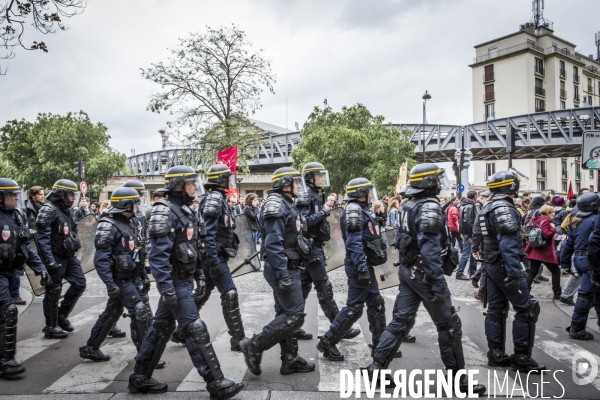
(426, 97)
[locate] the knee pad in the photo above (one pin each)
(408, 325)
(10, 314)
(355, 311)
(141, 313)
(380, 305)
(165, 328)
(230, 298)
(198, 332)
(295, 320)
(54, 292)
(326, 288)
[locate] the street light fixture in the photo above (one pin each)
(426, 97)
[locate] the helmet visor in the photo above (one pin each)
(76, 197)
(232, 182)
(443, 180)
(13, 199)
(321, 178)
(373, 194)
(193, 186)
(298, 186)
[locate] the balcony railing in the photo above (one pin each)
(489, 96)
(577, 176)
(487, 116)
(540, 91)
(488, 77)
(563, 93)
(563, 73)
(508, 50)
(575, 78)
(565, 174)
(564, 52)
(576, 97)
(539, 70)
(542, 173)
(540, 108)
(590, 89)
(593, 69)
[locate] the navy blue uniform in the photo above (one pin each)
(583, 243)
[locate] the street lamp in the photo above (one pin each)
(426, 97)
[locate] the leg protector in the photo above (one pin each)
(111, 320)
(150, 318)
(139, 324)
(64, 312)
(378, 321)
(9, 315)
(52, 297)
(159, 340)
(534, 312)
(306, 287)
(325, 296)
(202, 347)
(278, 330)
(400, 335)
(233, 318)
(354, 313)
(455, 331)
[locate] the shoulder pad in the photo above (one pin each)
(504, 219)
(432, 218)
(354, 217)
(105, 234)
(45, 216)
(213, 205)
(161, 219)
(273, 207)
(303, 198)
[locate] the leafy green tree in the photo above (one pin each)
(42, 152)
(354, 143)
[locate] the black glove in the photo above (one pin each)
(53, 266)
(438, 297)
(146, 286)
(215, 270)
(45, 279)
(169, 299)
(511, 284)
(364, 278)
(285, 284)
(200, 291)
(326, 211)
(595, 276)
(113, 292)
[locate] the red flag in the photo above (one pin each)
(229, 158)
(570, 192)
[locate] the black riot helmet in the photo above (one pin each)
(178, 177)
(504, 182)
(317, 172)
(426, 176)
(8, 187)
(361, 187)
(144, 200)
(219, 174)
(123, 199)
(61, 190)
(587, 204)
(288, 176)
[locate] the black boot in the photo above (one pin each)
(178, 337)
(579, 335)
(398, 353)
(223, 389)
(235, 344)
(252, 355)
(10, 368)
(464, 386)
(352, 333)
(116, 332)
(410, 339)
(54, 332)
(330, 351)
(64, 323)
(291, 365)
(91, 354)
(498, 358)
(303, 335)
(378, 366)
(139, 384)
(522, 361)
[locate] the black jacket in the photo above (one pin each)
(251, 214)
(80, 213)
(467, 216)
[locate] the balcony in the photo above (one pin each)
(593, 69)
(576, 98)
(564, 174)
(564, 52)
(540, 91)
(539, 70)
(590, 89)
(542, 173)
(540, 108)
(563, 93)
(489, 116)
(563, 73)
(508, 50)
(489, 96)
(575, 78)
(488, 77)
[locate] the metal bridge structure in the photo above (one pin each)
(547, 134)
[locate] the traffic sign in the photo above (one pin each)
(83, 187)
(461, 188)
(590, 150)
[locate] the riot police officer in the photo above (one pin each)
(311, 206)
(499, 222)
(365, 248)
(284, 248)
(422, 241)
(221, 244)
(120, 266)
(578, 244)
(173, 230)
(14, 251)
(58, 240)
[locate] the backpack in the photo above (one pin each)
(527, 224)
(534, 237)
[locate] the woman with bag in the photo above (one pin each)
(542, 250)
(393, 214)
(251, 212)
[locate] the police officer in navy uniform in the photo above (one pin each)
(119, 264)
(58, 240)
(284, 248)
(422, 239)
(311, 206)
(221, 244)
(14, 251)
(499, 222)
(365, 248)
(583, 242)
(173, 230)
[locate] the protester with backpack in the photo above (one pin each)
(540, 248)
(465, 226)
(534, 211)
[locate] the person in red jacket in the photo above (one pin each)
(546, 253)
(453, 217)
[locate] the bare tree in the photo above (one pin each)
(212, 83)
(46, 16)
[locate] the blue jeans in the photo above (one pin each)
(16, 283)
(255, 236)
(466, 256)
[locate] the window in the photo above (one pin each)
(577, 187)
(565, 187)
(539, 66)
(490, 169)
(590, 87)
(541, 186)
(591, 188)
(564, 171)
(541, 169)
(576, 93)
(563, 72)
(563, 92)
(591, 173)
(575, 74)
(489, 92)
(540, 105)
(577, 170)
(563, 105)
(539, 87)
(488, 73)
(489, 111)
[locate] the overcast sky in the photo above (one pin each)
(381, 53)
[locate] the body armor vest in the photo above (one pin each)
(64, 239)
(408, 245)
(320, 232)
(127, 262)
(491, 246)
(12, 241)
(374, 248)
(293, 236)
(185, 252)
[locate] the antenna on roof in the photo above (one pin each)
(598, 46)
(538, 20)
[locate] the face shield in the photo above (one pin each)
(13, 199)
(443, 181)
(75, 195)
(193, 186)
(298, 186)
(321, 178)
(373, 194)
(232, 182)
(144, 200)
